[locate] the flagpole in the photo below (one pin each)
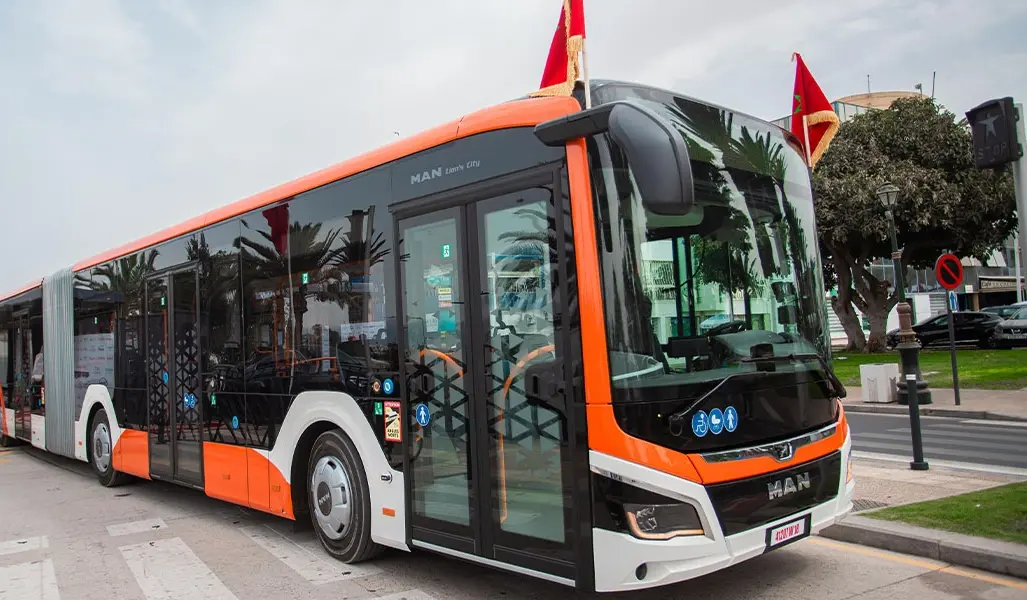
(584, 73)
(805, 133)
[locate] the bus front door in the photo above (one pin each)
(479, 284)
(173, 377)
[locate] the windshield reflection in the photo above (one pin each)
(691, 299)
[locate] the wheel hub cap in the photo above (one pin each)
(333, 497)
(102, 447)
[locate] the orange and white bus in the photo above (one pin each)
(585, 345)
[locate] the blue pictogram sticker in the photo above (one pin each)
(165, 376)
(422, 414)
(700, 423)
(387, 386)
(716, 421)
(730, 419)
(235, 422)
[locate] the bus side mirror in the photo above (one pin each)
(656, 151)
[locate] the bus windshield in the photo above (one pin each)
(734, 285)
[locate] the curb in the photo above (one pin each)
(929, 411)
(1004, 558)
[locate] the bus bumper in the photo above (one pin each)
(619, 556)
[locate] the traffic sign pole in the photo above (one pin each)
(949, 271)
(1020, 185)
(952, 351)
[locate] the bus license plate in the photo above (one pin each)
(787, 533)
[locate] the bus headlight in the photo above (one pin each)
(848, 466)
(662, 521)
(620, 506)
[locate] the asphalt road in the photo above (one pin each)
(991, 443)
(64, 537)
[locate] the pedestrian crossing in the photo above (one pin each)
(952, 440)
(171, 564)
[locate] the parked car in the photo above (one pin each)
(1012, 333)
(1004, 311)
(970, 328)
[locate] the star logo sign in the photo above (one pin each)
(989, 125)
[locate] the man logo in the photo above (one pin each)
(425, 176)
(788, 486)
(782, 452)
(324, 499)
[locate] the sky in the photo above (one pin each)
(119, 118)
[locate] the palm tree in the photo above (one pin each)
(362, 248)
(125, 275)
(219, 288)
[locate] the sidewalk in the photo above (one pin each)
(1009, 405)
(883, 483)
(880, 484)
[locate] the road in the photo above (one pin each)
(949, 439)
(64, 537)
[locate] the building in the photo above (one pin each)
(991, 283)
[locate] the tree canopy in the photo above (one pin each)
(944, 203)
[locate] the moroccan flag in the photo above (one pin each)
(278, 218)
(563, 64)
(809, 101)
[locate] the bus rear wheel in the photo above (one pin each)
(338, 498)
(101, 451)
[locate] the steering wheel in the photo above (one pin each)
(735, 326)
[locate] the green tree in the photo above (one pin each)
(944, 204)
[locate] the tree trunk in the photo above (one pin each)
(879, 302)
(877, 342)
(843, 305)
(847, 316)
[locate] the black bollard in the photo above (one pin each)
(909, 352)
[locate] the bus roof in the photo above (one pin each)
(517, 113)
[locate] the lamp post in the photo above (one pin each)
(912, 389)
(888, 194)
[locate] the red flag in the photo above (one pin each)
(562, 65)
(810, 102)
(278, 218)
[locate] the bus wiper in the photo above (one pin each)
(674, 420)
(836, 383)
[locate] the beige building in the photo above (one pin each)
(850, 106)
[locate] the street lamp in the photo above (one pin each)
(888, 194)
(911, 387)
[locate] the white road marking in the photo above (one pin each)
(136, 527)
(995, 423)
(169, 570)
(29, 581)
(408, 595)
(315, 568)
(1014, 471)
(23, 545)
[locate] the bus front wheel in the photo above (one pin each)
(101, 451)
(338, 498)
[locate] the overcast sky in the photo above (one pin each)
(118, 118)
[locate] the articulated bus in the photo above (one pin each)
(586, 345)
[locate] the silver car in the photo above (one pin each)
(1012, 333)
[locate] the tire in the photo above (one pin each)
(7, 442)
(100, 452)
(338, 499)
